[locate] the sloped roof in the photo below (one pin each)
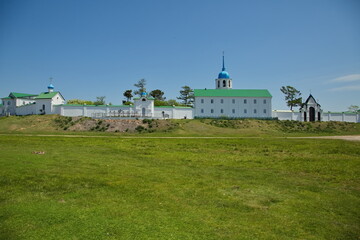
(48, 95)
(307, 101)
(231, 93)
(21, 95)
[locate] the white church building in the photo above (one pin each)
(224, 101)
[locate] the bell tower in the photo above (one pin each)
(223, 81)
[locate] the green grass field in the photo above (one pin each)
(118, 188)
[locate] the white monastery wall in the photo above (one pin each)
(29, 109)
(180, 113)
(168, 112)
(43, 105)
(325, 117)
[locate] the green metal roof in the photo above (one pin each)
(6, 98)
(21, 95)
(231, 93)
(46, 95)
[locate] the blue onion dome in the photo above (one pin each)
(224, 74)
(144, 94)
(51, 86)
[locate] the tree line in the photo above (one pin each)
(186, 97)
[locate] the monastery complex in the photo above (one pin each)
(221, 102)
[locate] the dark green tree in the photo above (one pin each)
(292, 96)
(141, 87)
(158, 94)
(100, 100)
(128, 95)
(186, 95)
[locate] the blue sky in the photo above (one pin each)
(101, 48)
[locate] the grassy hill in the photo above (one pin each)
(198, 127)
(118, 188)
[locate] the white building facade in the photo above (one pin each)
(223, 101)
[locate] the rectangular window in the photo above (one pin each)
(254, 101)
(233, 101)
(264, 101)
(202, 110)
(255, 111)
(233, 111)
(264, 110)
(222, 111)
(211, 100)
(202, 100)
(222, 101)
(245, 111)
(212, 110)
(245, 101)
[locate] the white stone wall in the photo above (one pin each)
(325, 117)
(168, 112)
(181, 113)
(233, 107)
(286, 115)
(26, 110)
(43, 102)
(174, 112)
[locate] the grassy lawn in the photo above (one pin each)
(116, 188)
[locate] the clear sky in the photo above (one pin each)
(102, 47)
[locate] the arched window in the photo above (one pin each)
(143, 100)
(218, 84)
(222, 111)
(229, 84)
(224, 83)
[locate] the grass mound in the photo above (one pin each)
(194, 127)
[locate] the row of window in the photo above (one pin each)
(233, 101)
(233, 111)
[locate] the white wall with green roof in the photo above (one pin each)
(233, 103)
